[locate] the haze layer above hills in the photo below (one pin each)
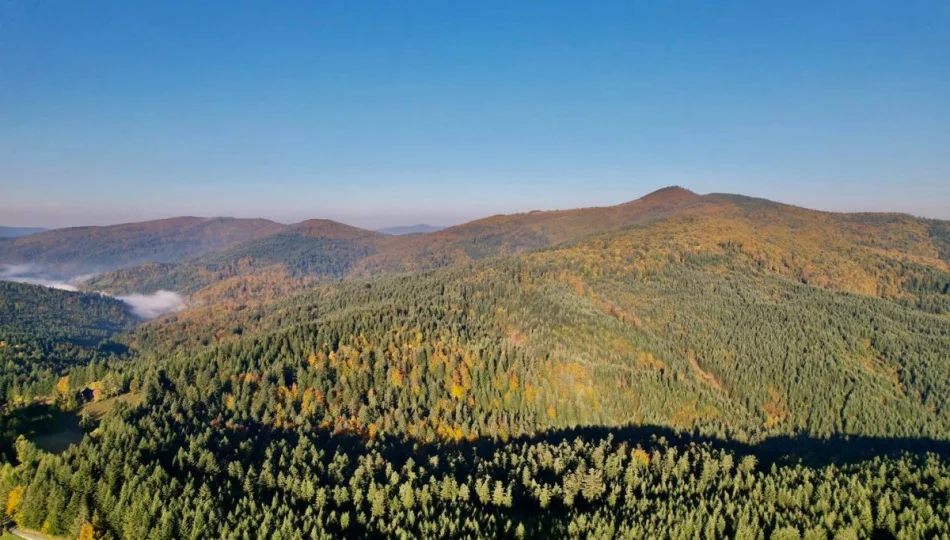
(15, 232)
(421, 228)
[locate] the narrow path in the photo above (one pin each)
(704, 376)
(29, 535)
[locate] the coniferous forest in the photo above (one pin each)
(681, 366)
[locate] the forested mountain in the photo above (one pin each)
(45, 332)
(83, 250)
(679, 366)
(888, 255)
(509, 234)
(686, 339)
(316, 248)
(15, 232)
(337, 250)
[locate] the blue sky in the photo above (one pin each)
(381, 113)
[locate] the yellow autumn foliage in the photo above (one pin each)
(86, 532)
(13, 501)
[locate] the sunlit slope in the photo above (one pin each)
(733, 315)
(685, 322)
(517, 233)
(892, 256)
(78, 250)
(319, 249)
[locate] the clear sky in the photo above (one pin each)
(384, 113)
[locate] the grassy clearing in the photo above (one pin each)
(98, 410)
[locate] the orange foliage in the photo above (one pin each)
(62, 387)
(775, 410)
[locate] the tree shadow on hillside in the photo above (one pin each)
(780, 450)
(48, 427)
(785, 449)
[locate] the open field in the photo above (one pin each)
(99, 409)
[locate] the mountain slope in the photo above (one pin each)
(82, 250)
(344, 251)
(314, 249)
(45, 332)
(735, 315)
(508, 234)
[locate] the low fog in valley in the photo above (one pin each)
(146, 306)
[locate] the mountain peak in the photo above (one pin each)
(670, 196)
(329, 229)
(669, 193)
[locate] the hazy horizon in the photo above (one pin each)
(941, 211)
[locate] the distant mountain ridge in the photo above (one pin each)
(16, 232)
(83, 250)
(888, 255)
(421, 228)
(315, 248)
(359, 252)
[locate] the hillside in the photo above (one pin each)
(314, 248)
(45, 332)
(714, 317)
(337, 250)
(66, 253)
(893, 256)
